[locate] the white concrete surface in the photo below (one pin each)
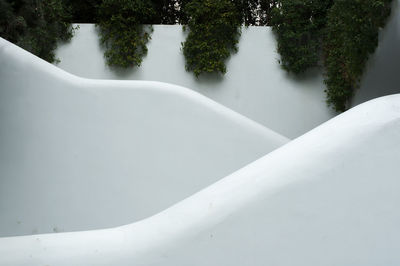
(330, 197)
(80, 154)
(254, 85)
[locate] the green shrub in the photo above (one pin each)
(122, 32)
(351, 37)
(214, 31)
(36, 26)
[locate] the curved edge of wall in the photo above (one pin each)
(258, 89)
(355, 154)
(116, 128)
(15, 57)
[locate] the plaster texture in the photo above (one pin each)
(79, 154)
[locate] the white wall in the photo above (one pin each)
(330, 197)
(254, 86)
(80, 154)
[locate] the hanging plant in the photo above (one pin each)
(122, 31)
(351, 37)
(344, 32)
(214, 31)
(298, 25)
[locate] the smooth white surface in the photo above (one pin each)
(254, 85)
(80, 154)
(330, 197)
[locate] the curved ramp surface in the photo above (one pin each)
(79, 154)
(330, 197)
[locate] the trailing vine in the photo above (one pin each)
(36, 26)
(344, 32)
(214, 31)
(351, 37)
(122, 32)
(298, 25)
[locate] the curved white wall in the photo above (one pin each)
(254, 85)
(330, 197)
(79, 154)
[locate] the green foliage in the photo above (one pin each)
(122, 31)
(299, 25)
(344, 32)
(351, 37)
(214, 31)
(35, 25)
(265, 11)
(248, 10)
